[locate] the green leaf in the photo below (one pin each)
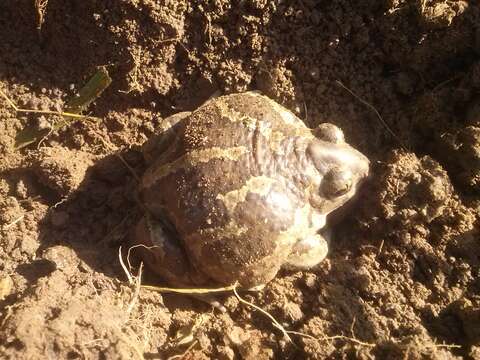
(91, 91)
(28, 136)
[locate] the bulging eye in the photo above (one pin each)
(336, 182)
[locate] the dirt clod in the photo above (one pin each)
(62, 170)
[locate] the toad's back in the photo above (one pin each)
(225, 182)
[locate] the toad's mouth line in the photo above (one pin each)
(339, 214)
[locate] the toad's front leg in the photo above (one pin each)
(309, 251)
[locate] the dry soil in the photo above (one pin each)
(403, 277)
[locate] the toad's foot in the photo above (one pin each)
(308, 252)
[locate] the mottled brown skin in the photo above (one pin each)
(234, 187)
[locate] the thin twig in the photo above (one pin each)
(329, 338)
(447, 346)
(134, 247)
(176, 38)
(189, 291)
(127, 273)
(352, 331)
(306, 113)
(115, 228)
(44, 138)
(60, 202)
(443, 83)
(127, 339)
(375, 111)
(274, 321)
(356, 341)
(10, 102)
(129, 168)
(138, 284)
(92, 342)
(380, 248)
(167, 289)
(8, 226)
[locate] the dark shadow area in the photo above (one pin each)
(457, 323)
(35, 270)
(94, 220)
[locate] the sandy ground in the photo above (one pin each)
(403, 277)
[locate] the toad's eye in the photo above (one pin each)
(336, 182)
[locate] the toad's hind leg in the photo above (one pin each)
(161, 252)
(164, 255)
(309, 252)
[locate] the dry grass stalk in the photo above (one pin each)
(131, 278)
(266, 313)
(330, 338)
(136, 280)
(383, 122)
(45, 112)
(17, 220)
(190, 290)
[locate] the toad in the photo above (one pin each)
(240, 188)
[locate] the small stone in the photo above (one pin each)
(43, 123)
(238, 336)
(293, 312)
(314, 73)
(255, 349)
(61, 169)
(310, 280)
(29, 245)
(63, 257)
